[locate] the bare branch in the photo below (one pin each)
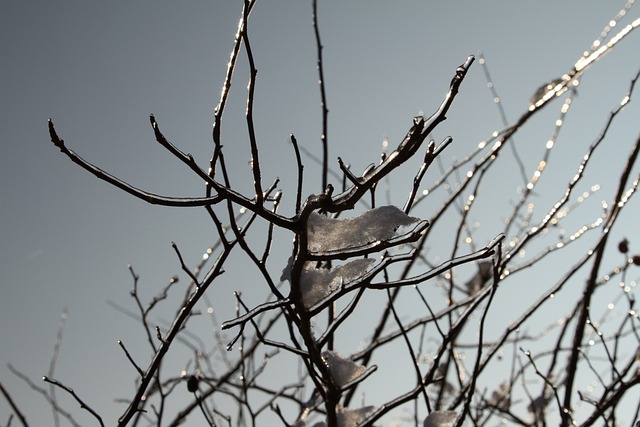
(13, 405)
(324, 138)
(153, 199)
(69, 390)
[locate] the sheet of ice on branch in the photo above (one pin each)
(372, 231)
(440, 419)
(318, 283)
(344, 371)
(351, 417)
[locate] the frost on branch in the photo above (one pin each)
(373, 231)
(440, 419)
(318, 283)
(343, 371)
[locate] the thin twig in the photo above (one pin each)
(151, 198)
(323, 98)
(126, 352)
(13, 405)
(251, 87)
(618, 202)
(69, 390)
(54, 360)
(194, 279)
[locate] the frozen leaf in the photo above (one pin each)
(440, 419)
(373, 231)
(318, 283)
(286, 272)
(539, 404)
(353, 417)
(485, 272)
(544, 92)
(500, 398)
(343, 371)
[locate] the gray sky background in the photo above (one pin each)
(98, 69)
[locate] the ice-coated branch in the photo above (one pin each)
(151, 198)
(580, 172)
(560, 85)
(382, 249)
(133, 362)
(194, 279)
(186, 158)
(406, 149)
(262, 308)
(143, 311)
(226, 88)
(485, 252)
(251, 87)
(614, 392)
(412, 354)
(619, 201)
(324, 138)
(47, 397)
(296, 149)
(347, 172)
(166, 341)
(476, 368)
(225, 377)
(503, 115)
(224, 192)
(430, 376)
(429, 157)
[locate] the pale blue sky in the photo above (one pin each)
(98, 69)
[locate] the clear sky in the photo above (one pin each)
(98, 69)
